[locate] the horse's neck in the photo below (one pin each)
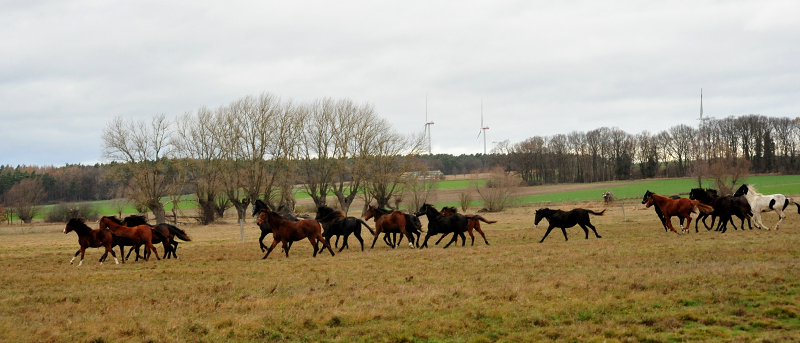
(112, 226)
(658, 200)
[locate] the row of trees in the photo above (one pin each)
(761, 144)
(261, 147)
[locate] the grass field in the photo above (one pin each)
(636, 284)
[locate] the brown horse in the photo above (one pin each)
(391, 222)
(90, 238)
(285, 231)
(682, 207)
(473, 222)
(141, 234)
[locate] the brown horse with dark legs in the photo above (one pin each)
(163, 233)
(682, 207)
(90, 238)
(473, 222)
(392, 222)
(285, 231)
(141, 234)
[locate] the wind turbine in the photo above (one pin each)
(427, 125)
(483, 130)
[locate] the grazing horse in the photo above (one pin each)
(141, 234)
(473, 222)
(90, 238)
(285, 231)
(565, 219)
(394, 221)
(658, 210)
(439, 224)
(682, 207)
(340, 226)
(765, 203)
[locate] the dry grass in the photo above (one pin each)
(637, 283)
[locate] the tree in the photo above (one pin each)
(24, 199)
(500, 187)
(143, 150)
(386, 161)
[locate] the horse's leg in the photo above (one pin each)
(336, 244)
(74, 256)
(669, 223)
(111, 249)
(688, 223)
(167, 248)
(472, 237)
(269, 250)
(585, 230)
(153, 249)
(103, 257)
(357, 234)
(344, 243)
(464, 238)
(130, 251)
(83, 252)
(261, 241)
(320, 249)
(375, 238)
(454, 239)
(781, 215)
(589, 224)
(425, 243)
(175, 249)
(477, 228)
(327, 245)
(441, 238)
(564, 231)
(549, 228)
(387, 240)
(314, 245)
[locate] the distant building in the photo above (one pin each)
(425, 175)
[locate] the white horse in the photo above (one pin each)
(764, 203)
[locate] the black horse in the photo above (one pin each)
(439, 224)
(259, 205)
(565, 219)
(725, 207)
(413, 226)
(658, 210)
(340, 226)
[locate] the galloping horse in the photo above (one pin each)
(439, 224)
(725, 207)
(258, 206)
(141, 234)
(285, 231)
(682, 207)
(765, 203)
(658, 212)
(90, 238)
(473, 222)
(164, 233)
(340, 226)
(565, 219)
(391, 222)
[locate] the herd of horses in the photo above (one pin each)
(286, 228)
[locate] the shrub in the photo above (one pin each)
(465, 199)
(61, 213)
(500, 188)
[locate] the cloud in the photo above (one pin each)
(540, 68)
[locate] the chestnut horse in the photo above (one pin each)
(682, 207)
(90, 238)
(473, 222)
(285, 231)
(141, 234)
(391, 222)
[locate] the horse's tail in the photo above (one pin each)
(178, 232)
(597, 213)
(481, 218)
(367, 225)
(792, 201)
(705, 209)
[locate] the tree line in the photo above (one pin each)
(750, 143)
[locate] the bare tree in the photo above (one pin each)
(24, 199)
(143, 150)
(317, 155)
(499, 189)
(388, 162)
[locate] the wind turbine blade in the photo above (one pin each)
(479, 134)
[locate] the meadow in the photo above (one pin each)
(636, 284)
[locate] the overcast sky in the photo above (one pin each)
(541, 68)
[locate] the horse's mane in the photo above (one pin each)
(382, 210)
(114, 219)
(79, 223)
(324, 210)
(450, 208)
(700, 194)
(135, 219)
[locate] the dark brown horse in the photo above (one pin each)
(285, 231)
(141, 234)
(473, 223)
(90, 238)
(682, 207)
(566, 219)
(163, 233)
(392, 222)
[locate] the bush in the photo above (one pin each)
(62, 213)
(499, 190)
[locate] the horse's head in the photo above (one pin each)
(263, 217)
(370, 213)
(712, 192)
(697, 193)
(258, 205)
(742, 190)
(74, 224)
(323, 211)
(646, 197)
(448, 211)
(542, 213)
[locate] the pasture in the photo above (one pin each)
(636, 284)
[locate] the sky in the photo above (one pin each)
(539, 67)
